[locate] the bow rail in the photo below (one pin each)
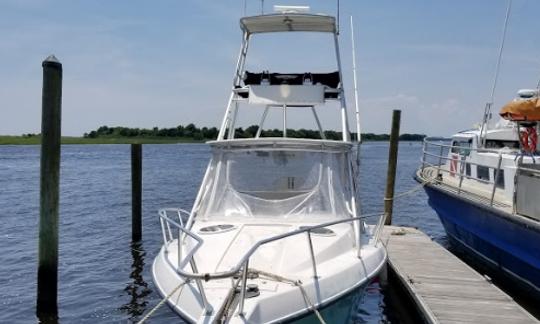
(241, 268)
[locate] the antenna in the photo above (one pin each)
(357, 110)
(337, 31)
(262, 7)
(487, 110)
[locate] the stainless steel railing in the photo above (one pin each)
(438, 151)
(436, 155)
(241, 268)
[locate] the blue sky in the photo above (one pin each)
(164, 63)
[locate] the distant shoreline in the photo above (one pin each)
(67, 140)
(189, 134)
(73, 140)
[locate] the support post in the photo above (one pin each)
(47, 281)
(136, 192)
(392, 164)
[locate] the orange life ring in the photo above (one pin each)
(529, 139)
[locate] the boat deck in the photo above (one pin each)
(470, 188)
(444, 288)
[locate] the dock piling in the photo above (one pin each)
(392, 164)
(47, 274)
(136, 192)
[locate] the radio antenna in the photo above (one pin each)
(355, 82)
(487, 110)
(337, 31)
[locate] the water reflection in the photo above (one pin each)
(47, 318)
(137, 289)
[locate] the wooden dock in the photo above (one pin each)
(444, 288)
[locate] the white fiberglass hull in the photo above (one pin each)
(340, 272)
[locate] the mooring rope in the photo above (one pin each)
(153, 310)
(296, 283)
(413, 190)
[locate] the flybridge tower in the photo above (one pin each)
(271, 89)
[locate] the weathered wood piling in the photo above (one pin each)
(392, 165)
(47, 281)
(136, 192)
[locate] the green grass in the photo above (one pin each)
(34, 140)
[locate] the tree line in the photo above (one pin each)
(199, 134)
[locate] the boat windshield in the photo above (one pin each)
(270, 183)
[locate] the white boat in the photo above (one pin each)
(275, 232)
(484, 187)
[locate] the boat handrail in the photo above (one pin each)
(440, 143)
(242, 265)
(460, 158)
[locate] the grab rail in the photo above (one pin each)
(241, 268)
(462, 159)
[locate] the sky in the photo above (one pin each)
(164, 63)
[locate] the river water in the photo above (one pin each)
(103, 277)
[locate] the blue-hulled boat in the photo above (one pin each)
(485, 188)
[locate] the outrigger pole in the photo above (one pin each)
(355, 82)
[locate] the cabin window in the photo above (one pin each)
(500, 144)
(500, 179)
(284, 183)
(482, 172)
(467, 169)
(462, 147)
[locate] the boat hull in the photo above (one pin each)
(500, 240)
(337, 307)
(342, 310)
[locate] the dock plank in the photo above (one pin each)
(445, 289)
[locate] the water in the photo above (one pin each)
(102, 276)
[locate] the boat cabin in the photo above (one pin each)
(500, 163)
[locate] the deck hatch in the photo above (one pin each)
(215, 229)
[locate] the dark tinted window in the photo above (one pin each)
(455, 148)
(501, 144)
(500, 179)
(482, 172)
(462, 147)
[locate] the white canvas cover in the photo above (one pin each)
(286, 94)
(288, 22)
(276, 183)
